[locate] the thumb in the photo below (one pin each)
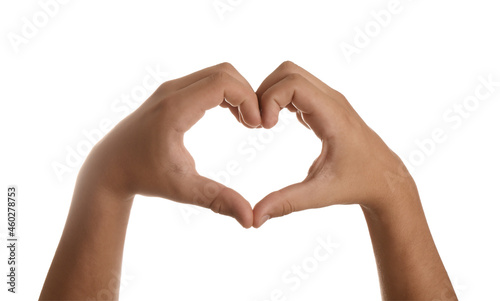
(292, 198)
(219, 198)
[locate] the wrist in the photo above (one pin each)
(396, 200)
(102, 176)
(94, 191)
(91, 194)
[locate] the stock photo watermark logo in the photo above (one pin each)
(364, 34)
(124, 105)
(32, 25)
(453, 118)
(294, 277)
(247, 151)
(222, 7)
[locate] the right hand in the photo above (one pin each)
(354, 161)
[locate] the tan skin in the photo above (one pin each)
(144, 154)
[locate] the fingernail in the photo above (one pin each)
(264, 219)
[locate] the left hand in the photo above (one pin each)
(145, 154)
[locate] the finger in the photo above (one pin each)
(300, 117)
(234, 110)
(192, 101)
(201, 191)
(316, 108)
(247, 110)
(285, 93)
(291, 108)
(290, 199)
(187, 80)
(287, 68)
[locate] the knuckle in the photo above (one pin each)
(165, 104)
(287, 207)
(288, 66)
(225, 67)
(216, 206)
(164, 87)
(163, 95)
(269, 94)
(270, 99)
(339, 96)
(215, 202)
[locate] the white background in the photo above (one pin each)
(72, 73)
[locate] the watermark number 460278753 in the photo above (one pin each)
(12, 240)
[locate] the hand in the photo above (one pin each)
(144, 154)
(353, 162)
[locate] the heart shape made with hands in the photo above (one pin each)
(317, 106)
(149, 156)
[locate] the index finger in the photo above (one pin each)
(192, 101)
(318, 110)
(187, 80)
(287, 68)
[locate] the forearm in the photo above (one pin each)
(87, 263)
(144, 154)
(408, 262)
